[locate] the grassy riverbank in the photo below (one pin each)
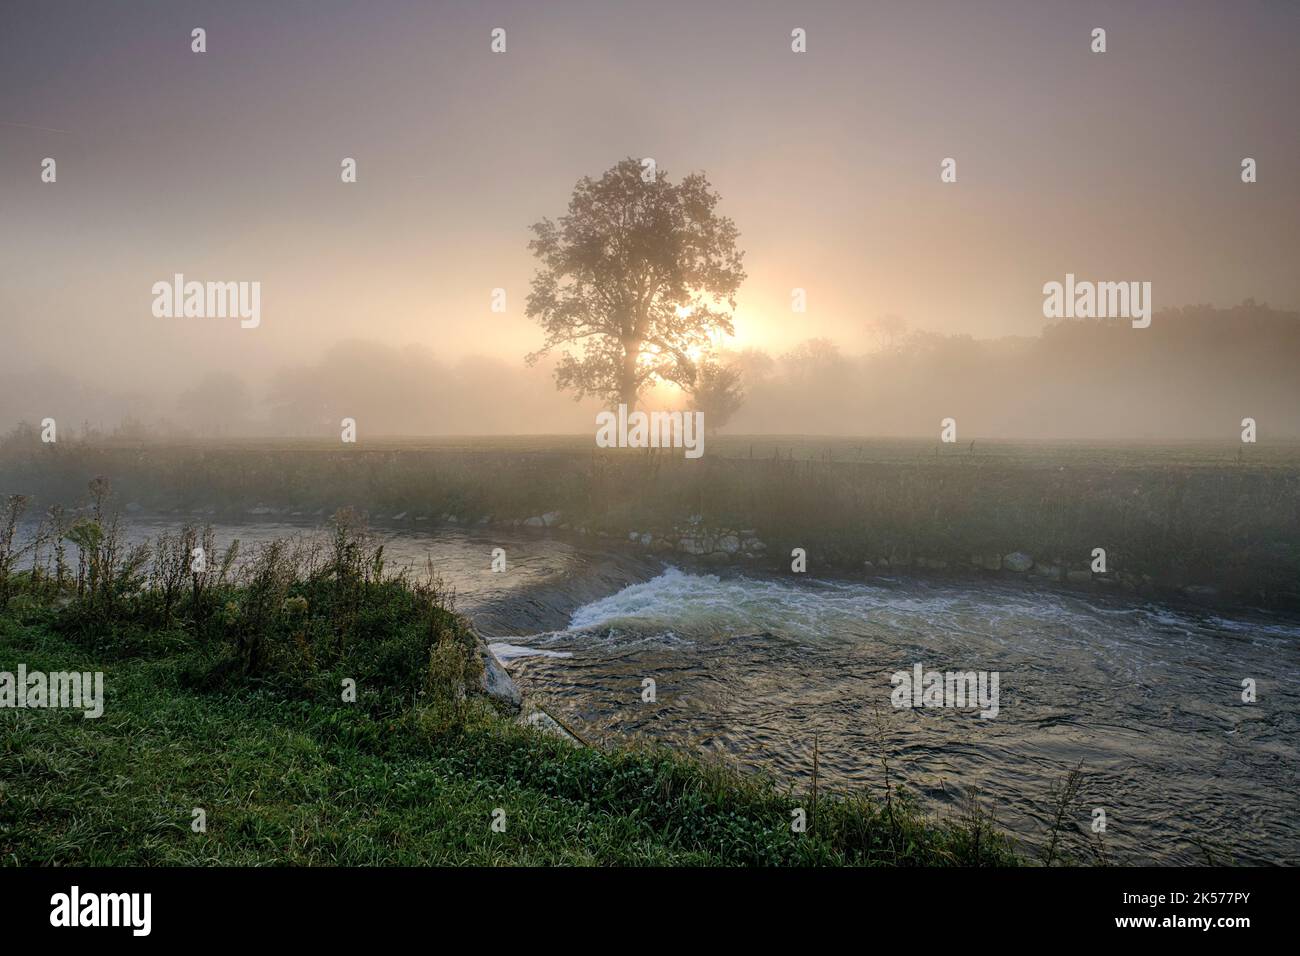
(223, 694)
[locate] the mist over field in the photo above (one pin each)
(376, 292)
(1193, 375)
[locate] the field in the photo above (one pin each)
(1211, 521)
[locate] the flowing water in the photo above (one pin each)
(753, 665)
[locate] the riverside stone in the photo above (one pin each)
(1018, 561)
(496, 683)
(1043, 569)
(692, 546)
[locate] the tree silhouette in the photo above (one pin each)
(888, 330)
(719, 393)
(635, 277)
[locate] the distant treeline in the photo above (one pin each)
(1195, 373)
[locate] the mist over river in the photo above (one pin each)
(752, 665)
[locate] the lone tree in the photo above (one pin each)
(635, 277)
(719, 393)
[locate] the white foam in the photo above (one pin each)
(693, 603)
(508, 652)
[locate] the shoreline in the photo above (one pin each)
(1111, 587)
(1184, 523)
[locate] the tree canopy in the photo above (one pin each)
(634, 281)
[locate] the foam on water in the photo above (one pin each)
(1146, 696)
(510, 652)
(812, 609)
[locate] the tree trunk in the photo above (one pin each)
(627, 384)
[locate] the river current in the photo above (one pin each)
(752, 666)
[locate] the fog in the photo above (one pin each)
(1194, 374)
(225, 166)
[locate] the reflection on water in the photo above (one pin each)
(753, 666)
(1148, 698)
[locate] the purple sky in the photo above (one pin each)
(225, 165)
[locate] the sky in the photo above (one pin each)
(226, 165)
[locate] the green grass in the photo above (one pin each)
(225, 695)
(309, 782)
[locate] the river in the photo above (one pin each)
(753, 666)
